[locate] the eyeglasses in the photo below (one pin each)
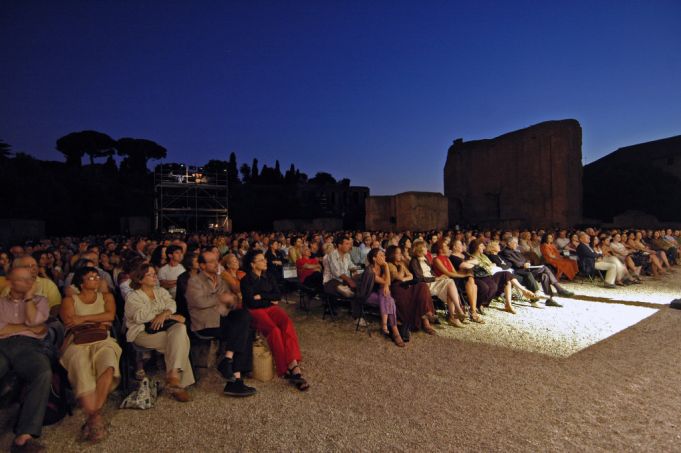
(93, 277)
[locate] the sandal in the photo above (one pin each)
(96, 430)
(297, 379)
(477, 319)
(429, 330)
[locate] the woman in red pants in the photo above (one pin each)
(261, 296)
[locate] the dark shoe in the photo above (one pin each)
(238, 388)
(610, 285)
(30, 446)
(565, 293)
(226, 370)
(404, 333)
(298, 380)
(550, 302)
(481, 310)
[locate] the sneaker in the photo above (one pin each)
(226, 370)
(552, 303)
(362, 322)
(238, 388)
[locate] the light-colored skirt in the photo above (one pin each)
(438, 288)
(86, 362)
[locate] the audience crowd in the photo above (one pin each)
(77, 304)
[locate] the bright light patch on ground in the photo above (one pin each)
(594, 315)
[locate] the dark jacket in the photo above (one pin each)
(586, 259)
(265, 285)
(514, 257)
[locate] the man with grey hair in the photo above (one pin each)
(22, 330)
(588, 260)
(542, 274)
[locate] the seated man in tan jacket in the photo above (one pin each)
(213, 314)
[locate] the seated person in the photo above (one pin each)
(338, 279)
(213, 312)
(43, 286)
(22, 329)
(659, 243)
(442, 287)
(564, 266)
(152, 323)
(442, 265)
(233, 275)
(634, 261)
(490, 284)
(636, 244)
(294, 252)
(412, 299)
(541, 273)
(93, 366)
(590, 260)
(261, 296)
(309, 270)
(376, 285)
(167, 275)
(275, 259)
(602, 247)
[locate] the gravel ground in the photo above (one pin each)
(596, 375)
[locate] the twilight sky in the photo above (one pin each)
(370, 90)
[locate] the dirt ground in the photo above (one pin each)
(600, 374)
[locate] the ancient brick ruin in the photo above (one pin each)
(529, 177)
(415, 211)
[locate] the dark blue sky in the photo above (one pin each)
(374, 91)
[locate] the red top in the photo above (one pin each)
(302, 272)
(445, 262)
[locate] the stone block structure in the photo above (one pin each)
(529, 177)
(415, 211)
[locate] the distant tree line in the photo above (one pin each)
(86, 199)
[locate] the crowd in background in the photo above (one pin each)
(60, 298)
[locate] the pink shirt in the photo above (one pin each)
(14, 312)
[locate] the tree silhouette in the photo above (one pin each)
(323, 178)
(245, 173)
(232, 171)
(137, 152)
(254, 170)
(5, 150)
(93, 143)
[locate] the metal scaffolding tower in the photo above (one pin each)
(187, 198)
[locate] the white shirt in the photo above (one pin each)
(171, 273)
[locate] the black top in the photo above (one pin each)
(499, 261)
(265, 285)
(456, 261)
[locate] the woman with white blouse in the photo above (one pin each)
(152, 323)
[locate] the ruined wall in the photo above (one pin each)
(414, 211)
(529, 177)
(418, 211)
(380, 213)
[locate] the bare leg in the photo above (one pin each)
(472, 292)
(384, 323)
(103, 387)
(508, 294)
